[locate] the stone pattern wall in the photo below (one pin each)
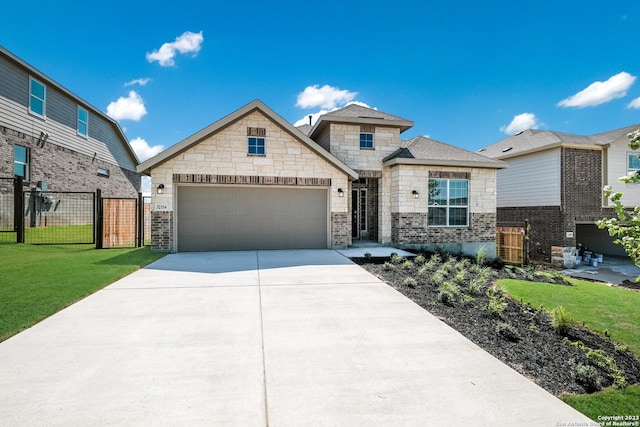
(413, 228)
(340, 229)
(345, 145)
(161, 231)
(65, 169)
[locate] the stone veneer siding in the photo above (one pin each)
(161, 231)
(65, 169)
(413, 229)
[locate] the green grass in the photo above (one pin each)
(611, 401)
(38, 281)
(602, 308)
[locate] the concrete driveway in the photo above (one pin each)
(278, 338)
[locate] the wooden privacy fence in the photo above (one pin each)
(510, 244)
(119, 223)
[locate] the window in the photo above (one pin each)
(37, 97)
(103, 172)
(21, 161)
(83, 121)
(255, 146)
(448, 202)
(366, 140)
(633, 162)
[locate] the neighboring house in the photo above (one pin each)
(51, 137)
(555, 181)
(251, 180)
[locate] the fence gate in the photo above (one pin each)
(119, 222)
(11, 219)
(510, 243)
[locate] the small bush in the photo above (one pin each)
(477, 286)
(463, 264)
(496, 304)
(367, 255)
(480, 256)
(438, 278)
(446, 297)
(410, 282)
(561, 320)
(587, 376)
(420, 259)
(508, 331)
(407, 265)
(600, 359)
(436, 259)
(423, 270)
(451, 287)
(621, 348)
(387, 266)
(396, 259)
(467, 299)
(533, 328)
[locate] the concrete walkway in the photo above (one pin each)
(278, 338)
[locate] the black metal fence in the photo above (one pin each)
(45, 217)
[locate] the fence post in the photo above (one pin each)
(99, 220)
(526, 242)
(18, 209)
(140, 220)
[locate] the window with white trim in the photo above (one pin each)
(83, 121)
(448, 202)
(21, 161)
(633, 163)
(37, 97)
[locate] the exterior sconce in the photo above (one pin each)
(160, 188)
(340, 192)
(415, 194)
(42, 139)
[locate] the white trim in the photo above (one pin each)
(78, 121)
(449, 206)
(43, 100)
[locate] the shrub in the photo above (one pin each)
(410, 282)
(600, 359)
(496, 304)
(561, 320)
(461, 277)
(533, 328)
(396, 259)
(587, 376)
(422, 270)
(463, 264)
(446, 297)
(467, 299)
(508, 331)
(477, 285)
(420, 259)
(388, 266)
(436, 259)
(451, 287)
(480, 256)
(367, 255)
(407, 265)
(621, 348)
(438, 278)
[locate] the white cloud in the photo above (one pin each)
(143, 150)
(600, 92)
(521, 122)
(129, 108)
(325, 97)
(141, 82)
(634, 104)
(316, 116)
(188, 42)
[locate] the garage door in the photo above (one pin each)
(247, 218)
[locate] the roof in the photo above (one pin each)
(357, 114)
(421, 150)
(50, 82)
(304, 129)
(256, 105)
(533, 140)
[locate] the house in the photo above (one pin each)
(555, 182)
(55, 140)
(251, 180)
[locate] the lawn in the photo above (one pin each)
(608, 310)
(604, 309)
(38, 281)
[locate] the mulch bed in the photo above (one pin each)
(530, 345)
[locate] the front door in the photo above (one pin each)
(359, 229)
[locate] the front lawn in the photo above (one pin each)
(38, 281)
(605, 309)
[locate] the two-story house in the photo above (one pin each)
(52, 137)
(251, 180)
(555, 182)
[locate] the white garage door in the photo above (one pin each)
(247, 218)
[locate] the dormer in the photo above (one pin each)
(359, 136)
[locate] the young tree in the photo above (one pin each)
(626, 227)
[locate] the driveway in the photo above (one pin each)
(278, 338)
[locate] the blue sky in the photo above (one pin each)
(467, 73)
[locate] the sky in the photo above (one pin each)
(467, 73)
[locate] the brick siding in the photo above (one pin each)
(412, 228)
(162, 231)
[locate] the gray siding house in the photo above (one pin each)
(49, 134)
(555, 181)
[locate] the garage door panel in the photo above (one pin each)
(241, 218)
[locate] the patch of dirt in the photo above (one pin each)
(519, 335)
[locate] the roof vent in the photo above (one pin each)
(481, 150)
(507, 149)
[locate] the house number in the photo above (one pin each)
(161, 207)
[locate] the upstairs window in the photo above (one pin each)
(448, 202)
(633, 163)
(83, 121)
(37, 97)
(366, 137)
(21, 161)
(256, 141)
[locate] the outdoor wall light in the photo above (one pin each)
(42, 139)
(340, 192)
(160, 188)
(415, 194)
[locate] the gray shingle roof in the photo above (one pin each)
(357, 114)
(423, 150)
(354, 110)
(304, 129)
(532, 140)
